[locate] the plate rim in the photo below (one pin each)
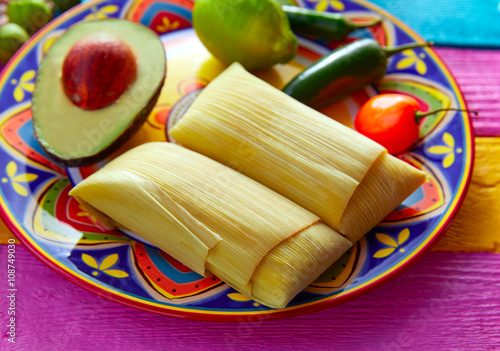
(273, 314)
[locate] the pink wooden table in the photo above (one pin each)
(446, 301)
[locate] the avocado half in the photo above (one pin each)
(77, 135)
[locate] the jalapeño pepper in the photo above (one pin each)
(342, 72)
(326, 25)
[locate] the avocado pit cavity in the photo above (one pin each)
(97, 70)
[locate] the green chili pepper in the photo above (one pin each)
(326, 25)
(342, 72)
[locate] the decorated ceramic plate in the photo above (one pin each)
(34, 190)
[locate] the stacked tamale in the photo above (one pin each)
(301, 184)
(346, 179)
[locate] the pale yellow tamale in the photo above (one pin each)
(346, 179)
(388, 182)
(210, 217)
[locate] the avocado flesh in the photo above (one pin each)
(77, 137)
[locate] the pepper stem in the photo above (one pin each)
(397, 49)
(419, 116)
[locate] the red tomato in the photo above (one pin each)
(390, 120)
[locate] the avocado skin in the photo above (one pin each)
(136, 124)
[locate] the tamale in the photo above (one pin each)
(210, 217)
(388, 182)
(322, 165)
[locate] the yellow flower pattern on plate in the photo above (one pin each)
(24, 84)
(393, 244)
(413, 59)
(241, 298)
(448, 149)
(106, 263)
(16, 180)
(102, 13)
(167, 26)
(322, 5)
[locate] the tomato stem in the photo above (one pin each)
(397, 49)
(419, 115)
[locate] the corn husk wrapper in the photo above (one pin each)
(245, 123)
(210, 217)
(388, 182)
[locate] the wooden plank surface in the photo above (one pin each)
(476, 227)
(5, 234)
(446, 301)
(450, 22)
(477, 73)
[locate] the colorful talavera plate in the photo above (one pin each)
(34, 190)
